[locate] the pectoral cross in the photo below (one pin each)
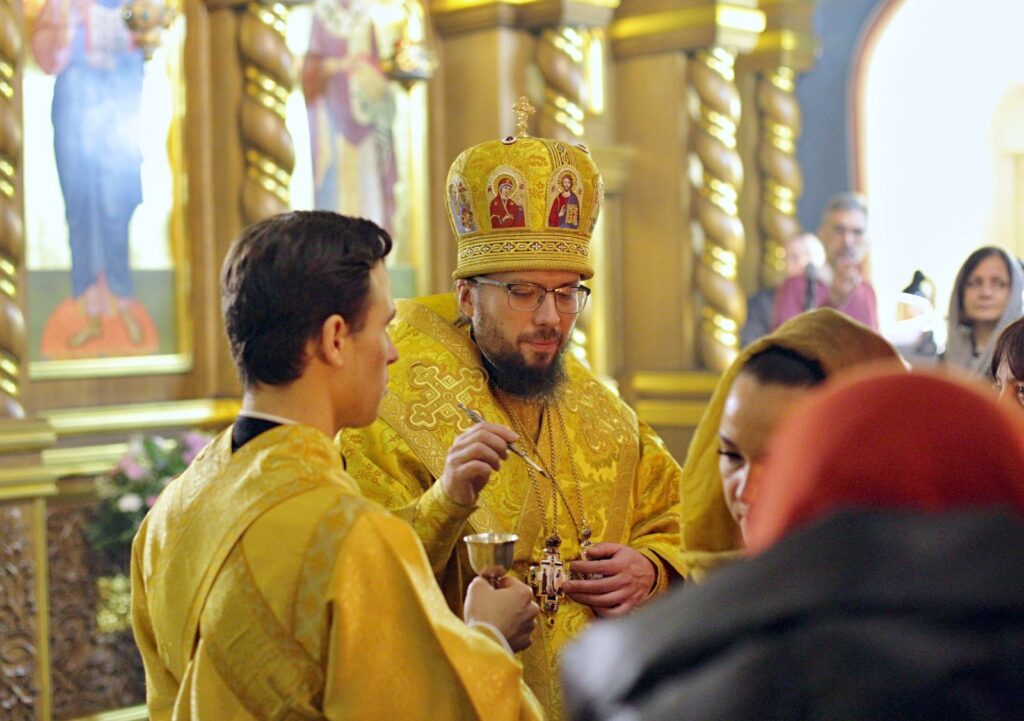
(546, 579)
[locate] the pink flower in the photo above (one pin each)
(131, 468)
(193, 442)
(151, 500)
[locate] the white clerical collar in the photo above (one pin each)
(281, 420)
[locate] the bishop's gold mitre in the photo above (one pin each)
(524, 203)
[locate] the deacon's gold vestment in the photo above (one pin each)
(264, 586)
(603, 456)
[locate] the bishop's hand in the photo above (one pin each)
(474, 455)
(621, 578)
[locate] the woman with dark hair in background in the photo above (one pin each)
(986, 298)
(1008, 364)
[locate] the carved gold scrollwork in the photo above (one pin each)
(781, 181)
(267, 145)
(718, 182)
(93, 669)
(18, 656)
(560, 59)
(12, 229)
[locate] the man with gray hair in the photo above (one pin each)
(841, 284)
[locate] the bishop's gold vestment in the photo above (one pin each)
(264, 586)
(604, 457)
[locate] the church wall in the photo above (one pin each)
(825, 97)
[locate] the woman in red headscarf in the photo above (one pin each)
(887, 580)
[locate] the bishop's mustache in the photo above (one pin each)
(542, 336)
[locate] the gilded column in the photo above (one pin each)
(12, 229)
(267, 146)
(718, 177)
(566, 33)
(785, 49)
(682, 203)
(781, 179)
(560, 60)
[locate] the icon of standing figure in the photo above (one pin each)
(96, 128)
(565, 208)
(351, 109)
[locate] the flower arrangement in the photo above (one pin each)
(129, 490)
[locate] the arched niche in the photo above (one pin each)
(937, 138)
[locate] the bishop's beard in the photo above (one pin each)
(509, 370)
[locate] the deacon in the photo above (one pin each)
(594, 495)
(263, 585)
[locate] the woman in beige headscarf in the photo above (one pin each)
(823, 338)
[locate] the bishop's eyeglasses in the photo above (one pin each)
(569, 299)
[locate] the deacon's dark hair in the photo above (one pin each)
(1010, 348)
(969, 265)
(283, 277)
(781, 366)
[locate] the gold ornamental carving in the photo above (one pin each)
(12, 227)
(267, 145)
(717, 173)
(93, 668)
(18, 652)
(781, 178)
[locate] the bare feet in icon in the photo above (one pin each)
(131, 326)
(91, 330)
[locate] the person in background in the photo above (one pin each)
(986, 298)
(264, 586)
(841, 285)
(729, 442)
(802, 252)
(885, 578)
(1008, 364)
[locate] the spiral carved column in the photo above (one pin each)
(781, 179)
(12, 229)
(718, 188)
(268, 149)
(560, 59)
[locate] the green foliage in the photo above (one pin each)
(132, 487)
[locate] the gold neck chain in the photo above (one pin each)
(553, 539)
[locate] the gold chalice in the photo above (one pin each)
(490, 554)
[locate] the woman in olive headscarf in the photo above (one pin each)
(884, 580)
(824, 339)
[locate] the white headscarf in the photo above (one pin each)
(960, 342)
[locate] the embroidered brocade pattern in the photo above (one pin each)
(439, 364)
(470, 250)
